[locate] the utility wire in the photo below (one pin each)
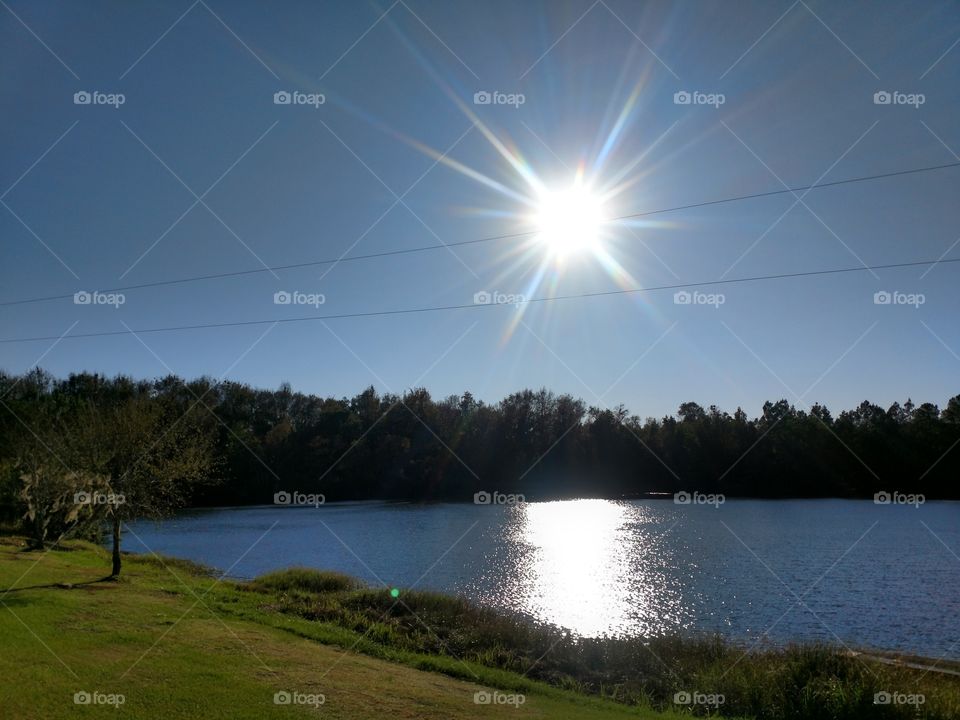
(439, 246)
(817, 186)
(438, 308)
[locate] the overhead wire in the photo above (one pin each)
(466, 306)
(492, 238)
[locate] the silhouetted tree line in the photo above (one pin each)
(542, 445)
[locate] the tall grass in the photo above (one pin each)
(306, 580)
(801, 682)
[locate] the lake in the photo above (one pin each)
(841, 571)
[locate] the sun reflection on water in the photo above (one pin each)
(592, 566)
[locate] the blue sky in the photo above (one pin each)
(98, 196)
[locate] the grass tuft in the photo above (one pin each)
(305, 580)
(163, 562)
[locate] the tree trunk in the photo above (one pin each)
(39, 536)
(116, 546)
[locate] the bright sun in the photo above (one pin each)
(569, 221)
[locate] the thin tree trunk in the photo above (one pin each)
(116, 545)
(39, 536)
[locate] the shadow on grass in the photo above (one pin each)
(109, 579)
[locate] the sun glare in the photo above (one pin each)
(569, 220)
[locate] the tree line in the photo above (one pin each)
(168, 442)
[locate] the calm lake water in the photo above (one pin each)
(880, 576)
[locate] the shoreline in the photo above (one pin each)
(898, 658)
(648, 496)
(331, 615)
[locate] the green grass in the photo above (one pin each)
(798, 682)
(177, 643)
(307, 580)
(64, 629)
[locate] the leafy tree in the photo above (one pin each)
(155, 443)
(150, 453)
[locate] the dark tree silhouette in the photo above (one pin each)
(414, 447)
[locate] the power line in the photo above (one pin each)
(439, 246)
(438, 308)
(846, 181)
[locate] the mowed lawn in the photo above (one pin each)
(153, 639)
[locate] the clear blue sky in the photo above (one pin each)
(293, 183)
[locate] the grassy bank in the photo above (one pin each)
(797, 682)
(177, 643)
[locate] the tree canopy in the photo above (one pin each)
(256, 443)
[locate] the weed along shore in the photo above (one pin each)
(172, 639)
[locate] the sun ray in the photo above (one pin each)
(560, 223)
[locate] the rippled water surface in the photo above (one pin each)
(841, 571)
